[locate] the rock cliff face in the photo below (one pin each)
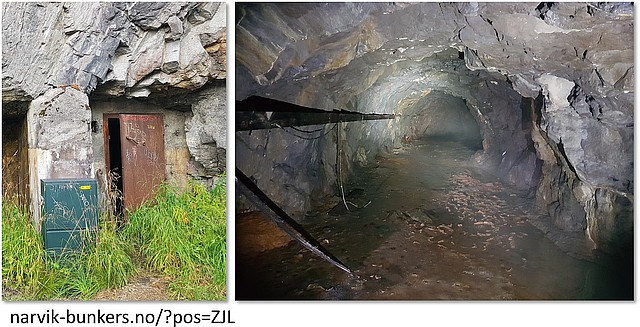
(550, 86)
(173, 54)
(132, 48)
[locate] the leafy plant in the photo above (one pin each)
(109, 260)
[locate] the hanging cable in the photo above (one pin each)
(304, 137)
(303, 131)
(266, 143)
(339, 152)
(339, 168)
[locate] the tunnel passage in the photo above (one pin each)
(530, 77)
(440, 115)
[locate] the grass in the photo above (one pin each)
(28, 271)
(23, 260)
(182, 236)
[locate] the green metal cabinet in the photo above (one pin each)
(70, 215)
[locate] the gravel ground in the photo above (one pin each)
(146, 286)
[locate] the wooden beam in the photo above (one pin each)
(263, 203)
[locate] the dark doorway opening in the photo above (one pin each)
(114, 166)
(15, 158)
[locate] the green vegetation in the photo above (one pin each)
(184, 236)
(181, 235)
(23, 259)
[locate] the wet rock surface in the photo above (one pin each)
(256, 233)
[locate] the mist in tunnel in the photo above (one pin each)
(493, 166)
(439, 115)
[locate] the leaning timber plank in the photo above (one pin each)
(248, 188)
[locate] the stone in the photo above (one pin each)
(171, 60)
(151, 15)
(175, 27)
(206, 130)
(525, 85)
(147, 58)
(557, 91)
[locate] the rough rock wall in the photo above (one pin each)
(285, 165)
(134, 48)
(580, 56)
(157, 52)
(575, 58)
(206, 132)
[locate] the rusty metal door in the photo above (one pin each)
(143, 165)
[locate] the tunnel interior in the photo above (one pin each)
(492, 169)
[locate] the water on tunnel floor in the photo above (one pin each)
(424, 224)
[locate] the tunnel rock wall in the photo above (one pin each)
(549, 84)
(503, 116)
(282, 165)
(579, 56)
(425, 95)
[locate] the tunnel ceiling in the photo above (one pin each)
(361, 43)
